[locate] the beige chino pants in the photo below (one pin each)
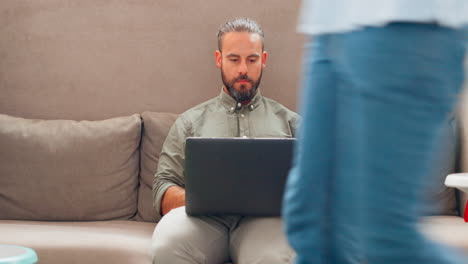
(182, 239)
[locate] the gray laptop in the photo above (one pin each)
(236, 176)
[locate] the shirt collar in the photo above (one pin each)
(233, 106)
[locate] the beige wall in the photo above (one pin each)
(94, 59)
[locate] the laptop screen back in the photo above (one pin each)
(236, 176)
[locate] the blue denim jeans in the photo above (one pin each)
(373, 105)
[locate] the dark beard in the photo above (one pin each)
(238, 95)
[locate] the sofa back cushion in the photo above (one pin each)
(155, 129)
(69, 170)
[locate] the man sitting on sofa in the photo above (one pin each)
(239, 111)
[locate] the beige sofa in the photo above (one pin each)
(80, 192)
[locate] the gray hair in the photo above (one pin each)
(239, 25)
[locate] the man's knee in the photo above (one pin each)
(161, 253)
(182, 239)
(169, 242)
(261, 240)
(175, 248)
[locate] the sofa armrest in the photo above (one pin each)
(459, 181)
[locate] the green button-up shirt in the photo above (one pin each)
(221, 116)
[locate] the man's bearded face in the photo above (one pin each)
(241, 62)
(242, 88)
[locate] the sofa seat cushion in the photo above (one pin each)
(82, 242)
(450, 230)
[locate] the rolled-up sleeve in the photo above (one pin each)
(294, 124)
(171, 162)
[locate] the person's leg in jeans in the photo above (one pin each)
(318, 228)
(346, 246)
(409, 76)
(306, 197)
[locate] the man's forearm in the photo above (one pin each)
(173, 197)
